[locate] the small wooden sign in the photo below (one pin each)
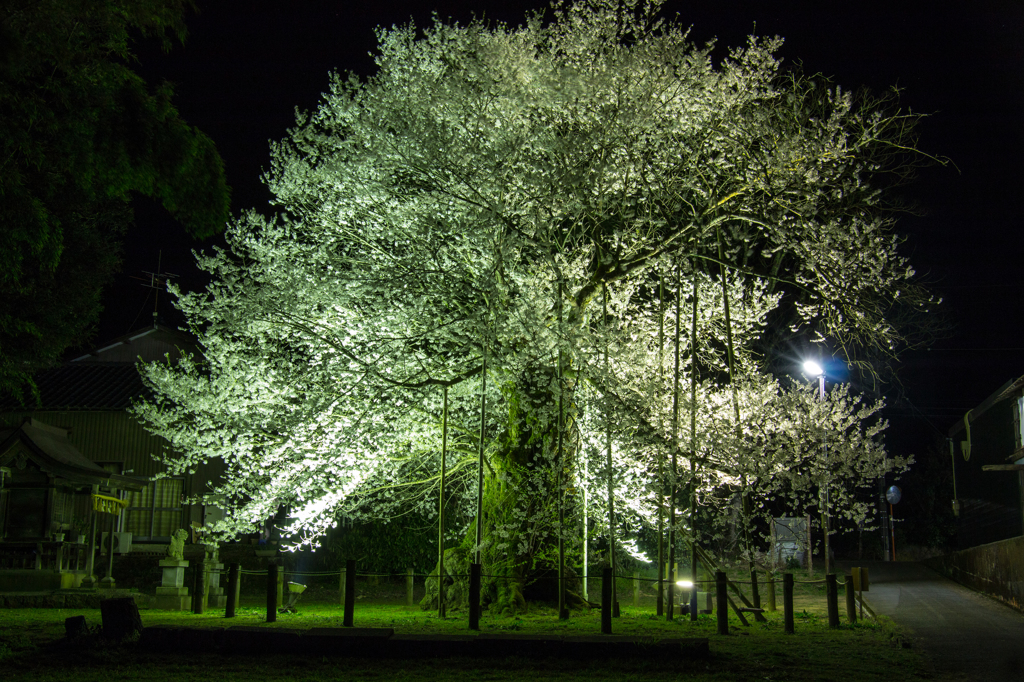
(861, 582)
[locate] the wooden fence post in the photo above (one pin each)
(771, 591)
(832, 595)
(606, 601)
(636, 588)
(350, 592)
(200, 588)
(474, 596)
(787, 601)
(721, 603)
(851, 604)
(272, 593)
(755, 594)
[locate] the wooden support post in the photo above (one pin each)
(832, 595)
(350, 593)
(721, 603)
(409, 584)
(758, 616)
(200, 588)
(271, 593)
(771, 591)
(474, 596)
(787, 601)
(851, 602)
(755, 594)
(636, 589)
(232, 603)
(606, 601)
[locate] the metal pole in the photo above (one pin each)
(892, 528)
(828, 477)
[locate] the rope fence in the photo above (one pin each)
(720, 586)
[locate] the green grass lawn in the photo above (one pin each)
(32, 647)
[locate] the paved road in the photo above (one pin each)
(967, 635)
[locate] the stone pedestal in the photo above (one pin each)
(216, 599)
(172, 595)
(107, 583)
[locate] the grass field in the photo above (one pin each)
(32, 647)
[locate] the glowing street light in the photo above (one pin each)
(814, 370)
(811, 368)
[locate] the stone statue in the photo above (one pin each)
(176, 550)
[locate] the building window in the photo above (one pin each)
(154, 513)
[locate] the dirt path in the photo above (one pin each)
(968, 636)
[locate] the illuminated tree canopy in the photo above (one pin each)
(553, 208)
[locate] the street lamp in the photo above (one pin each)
(812, 368)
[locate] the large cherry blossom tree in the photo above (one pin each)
(517, 219)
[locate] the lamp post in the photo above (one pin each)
(812, 368)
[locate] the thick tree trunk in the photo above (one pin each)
(521, 496)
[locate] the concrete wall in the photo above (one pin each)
(997, 569)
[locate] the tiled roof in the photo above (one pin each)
(106, 378)
(84, 386)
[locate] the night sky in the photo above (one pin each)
(249, 63)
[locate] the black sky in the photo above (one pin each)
(249, 63)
